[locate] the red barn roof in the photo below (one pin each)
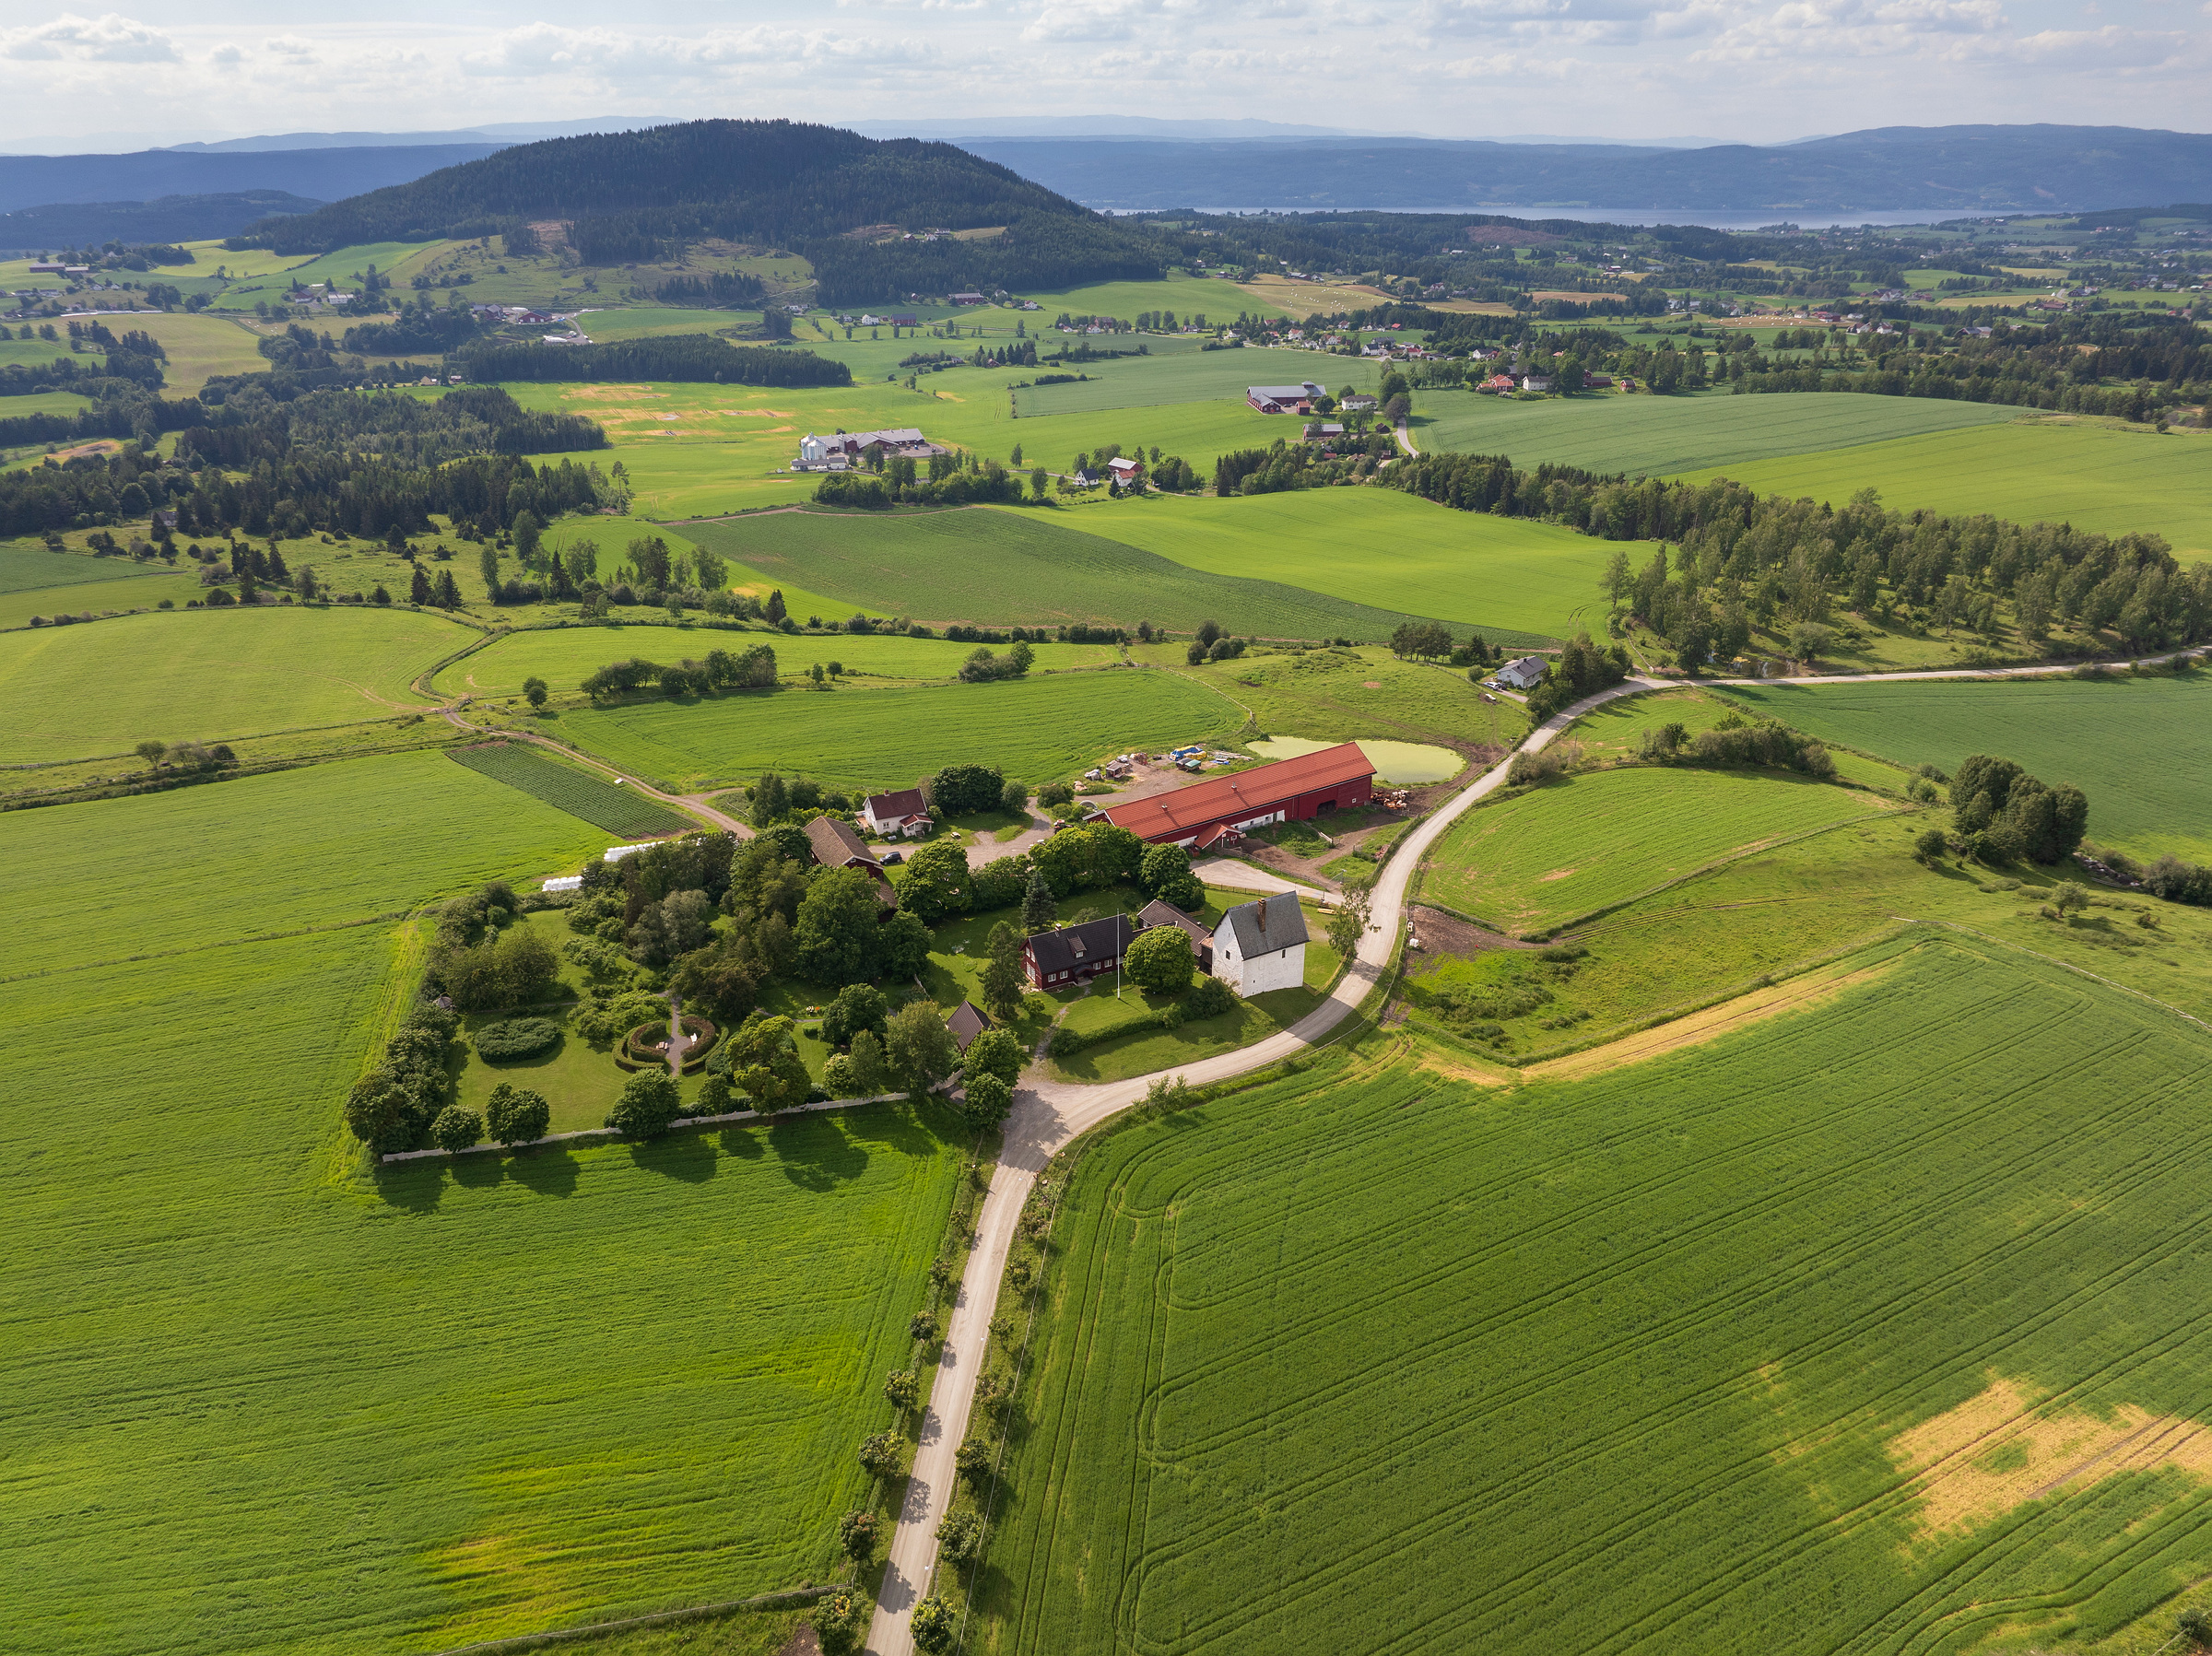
(1249, 793)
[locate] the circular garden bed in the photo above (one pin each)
(646, 1047)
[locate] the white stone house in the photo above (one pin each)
(1262, 945)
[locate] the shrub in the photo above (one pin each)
(841, 1620)
(515, 1037)
(881, 1454)
(903, 1386)
(960, 1536)
(456, 1129)
(515, 1115)
(924, 1326)
(857, 1533)
(1055, 794)
(973, 1459)
(649, 1102)
(716, 1097)
(1929, 844)
(604, 1018)
(838, 1078)
(1211, 997)
(934, 1625)
(993, 1053)
(1159, 960)
(988, 1101)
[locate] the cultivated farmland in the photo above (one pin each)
(2140, 748)
(2093, 476)
(1036, 729)
(564, 656)
(622, 811)
(1655, 436)
(77, 691)
(272, 1403)
(1522, 582)
(1186, 376)
(1532, 864)
(1805, 1340)
(1029, 568)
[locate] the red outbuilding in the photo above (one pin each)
(1336, 778)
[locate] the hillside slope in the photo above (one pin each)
(841, 199)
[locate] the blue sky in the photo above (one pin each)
(1746, 70)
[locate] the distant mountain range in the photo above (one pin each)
(1122, 164)
(165, 219)
(1949, 171)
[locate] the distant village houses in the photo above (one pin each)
(843, 449)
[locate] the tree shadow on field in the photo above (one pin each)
(546, 1171)
(816, 1152)
(415, 1187)
(480, 1172)
(746, 1143)
(685, 1155)
(910, 1129)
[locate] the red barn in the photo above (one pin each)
(1289, 791)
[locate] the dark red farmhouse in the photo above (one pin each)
(1336, 778)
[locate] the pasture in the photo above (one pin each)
(2141, 749)
(1574, 846)
(2106, 477)
(1522, 582)
(1038, 730)
(26, 566)
(273, 1401)
(1034, 567)
(77, 691)
(1189, 376)
(563, 656)
(1339, 695)
(1809, 1338)
(1216, 301)
(1658, 436)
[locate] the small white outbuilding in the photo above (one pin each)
(1261, 946)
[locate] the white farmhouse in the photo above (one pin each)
(1529, 670)
(1262, 945)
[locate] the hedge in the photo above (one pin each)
(515, 1037)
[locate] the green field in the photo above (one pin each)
(1521, 580)
(1189, 376)
(263, 1401)
(568, 788)
(2141, 749)
(98, 597)
(1374, 1360)
(1341, 695)
(1219, 303)
(563, 656)
(25, 568)
(2095, 477)
(1029, 567)
(201, 674)
(1575, 846)
(1657, 435)
(1038, 730)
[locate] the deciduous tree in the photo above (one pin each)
(918, 1049)
(648, 1103)
(515, 1115)
(1159, 960)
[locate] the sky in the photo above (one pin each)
(1755, 71)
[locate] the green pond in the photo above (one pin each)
(1401, 762)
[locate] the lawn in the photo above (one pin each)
(1523, 582)
(209, 674)
(2105, 478)
(1037, 729)
(1662, 1358)
(2141, 749)
(262, 1400)
(1657, 436)
(563, 656)
(1580, 844)
(1036, 566)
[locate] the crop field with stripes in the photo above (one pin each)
(2141, 749)
(1583, 843)
(566, 788)
(259, 1398)
(1876, 1325)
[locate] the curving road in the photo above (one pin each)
(1047, 1115)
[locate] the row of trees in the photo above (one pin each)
(753, 668)
(1794, 560)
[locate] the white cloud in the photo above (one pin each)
(292, 47)
(545, 48)
(107, 38)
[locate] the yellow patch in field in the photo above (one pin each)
(756, 413)
(621, 393)
(1797, 994)
(1556, 873)
(1997, 1450)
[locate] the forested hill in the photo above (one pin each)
(627, 195)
